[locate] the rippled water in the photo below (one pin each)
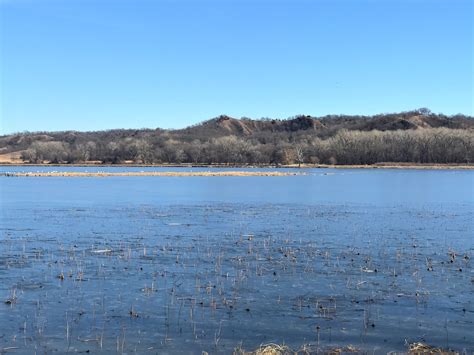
(372, 258)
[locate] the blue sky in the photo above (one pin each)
(99, 64)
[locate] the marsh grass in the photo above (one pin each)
(222, 275)
(421, 348)
(307, 349)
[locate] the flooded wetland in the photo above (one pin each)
(375, 259)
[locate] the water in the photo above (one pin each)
(372, 258)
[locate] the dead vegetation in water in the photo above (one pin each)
(276, 349)
(150, 173)
(12, 299)
(153, 272)
(421, 348)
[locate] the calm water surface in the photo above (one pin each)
(372, 258)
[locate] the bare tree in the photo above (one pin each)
(299, 154)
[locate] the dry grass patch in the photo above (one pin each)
(276, 349)
(420, 348)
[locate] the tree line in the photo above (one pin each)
(421, 145)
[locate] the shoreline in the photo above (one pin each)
(263, 166)
(149, 173)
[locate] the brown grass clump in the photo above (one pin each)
(420, 348)
(275, 349)
(344, 350)
(269, 349)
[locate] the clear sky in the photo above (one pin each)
(99, 64)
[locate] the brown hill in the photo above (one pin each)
(190, 144)
(326, 126)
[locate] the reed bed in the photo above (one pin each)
(174, 279)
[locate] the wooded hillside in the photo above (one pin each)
(417, 136)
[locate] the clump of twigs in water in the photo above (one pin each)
(421, 348)
(12, 299)
(275, 349)
(133, 313)
(269, 349)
